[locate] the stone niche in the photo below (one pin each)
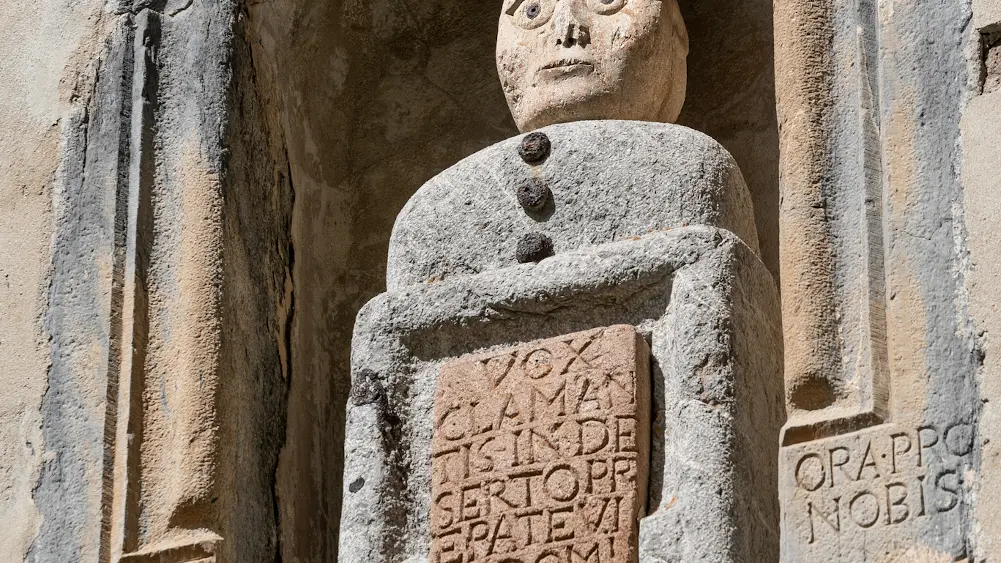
(375, 98)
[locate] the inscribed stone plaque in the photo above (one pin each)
(878, 491)
(541, 452)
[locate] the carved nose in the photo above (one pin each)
(573, 34)
(569, 29)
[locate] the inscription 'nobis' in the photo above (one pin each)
(888, 477)
(540, 452)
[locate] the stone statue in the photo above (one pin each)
(578, 355)
(563, 61)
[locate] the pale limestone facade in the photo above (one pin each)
(199, 198)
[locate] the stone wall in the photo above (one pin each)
(214, 183)
(48, 67)
(882, 359)
(148, 261)
(981, 133)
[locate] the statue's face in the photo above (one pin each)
(570, 60)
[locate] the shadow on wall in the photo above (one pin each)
(374, 97)
(731, 97)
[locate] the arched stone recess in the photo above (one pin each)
(373, 98)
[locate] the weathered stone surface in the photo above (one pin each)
(731, 98)
(374, 98)
(878, 492)
(875, 282)
(543, 450)
(49, 49)
(982, 194)
(708, 309)
(832, 235)
(986, 13)
(610, 180)
(140, 435)
(992, 62)
(569, 61)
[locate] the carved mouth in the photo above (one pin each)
(568, 63)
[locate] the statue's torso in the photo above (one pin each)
(484, 384)
(609, 181)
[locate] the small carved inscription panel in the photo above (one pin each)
(540, 452)
(887, 482)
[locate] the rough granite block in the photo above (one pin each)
(703, 302)
(603, 181)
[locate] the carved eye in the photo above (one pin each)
(606, 7)
(530, 14)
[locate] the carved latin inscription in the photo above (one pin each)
(886, 480)
(540, 452)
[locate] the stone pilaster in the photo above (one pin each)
(880, 459)
(169, 302)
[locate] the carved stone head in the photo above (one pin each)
(570, 60)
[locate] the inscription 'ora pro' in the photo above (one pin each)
(540, 452)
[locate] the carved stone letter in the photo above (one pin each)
(541, 452)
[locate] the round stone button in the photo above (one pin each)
(534, 147)
(534, 247)
(533, 195)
